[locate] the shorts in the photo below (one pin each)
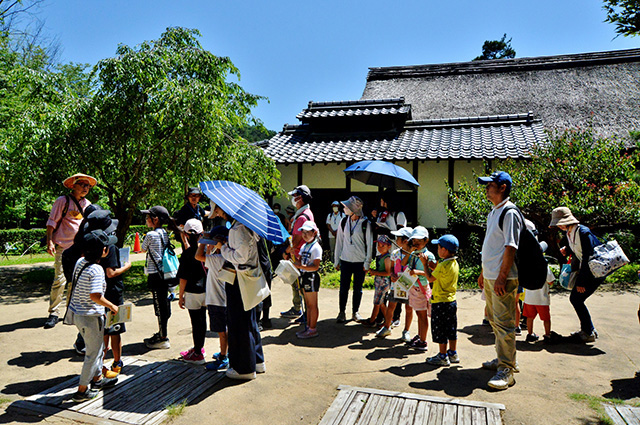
(114, 295)
(217, 318)
(193, 301)
(532, 311)
(444, 322)
(310, 282)
(418, 301)
(382, 285)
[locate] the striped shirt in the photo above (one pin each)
(154, 243)
(90, 281)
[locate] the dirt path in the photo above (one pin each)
(302, 376)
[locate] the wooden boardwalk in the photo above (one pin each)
(621, 414)
(142, 395)
(363, 406)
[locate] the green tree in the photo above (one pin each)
(625, 15)
(497, 49)
(163, 116)
(594, 177)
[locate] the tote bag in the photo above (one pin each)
(607, 258)
(568, 277)
(253, 287)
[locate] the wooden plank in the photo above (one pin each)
(368, 411)
(627, 414)
(636, 411)
(381, 407)
(478, 416)
(422, 413)
(392, 411)
(613, 414)
(464, 415)
(355, 407)
(493, 417)
(30, 408)
(435, 415)
(335, 411)
(450, 414)
(457, 401)
(408, 412)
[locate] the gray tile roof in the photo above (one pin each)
(374, 107)
(487, 137)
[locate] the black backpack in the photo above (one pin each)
(532, 266)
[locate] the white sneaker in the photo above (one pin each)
(261, 367)
(406, 336)
(383, 332)
(395, 323)
(356, 317)
(493, 365)
(230, 373)
(502, 380)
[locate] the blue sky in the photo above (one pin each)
(296, 51)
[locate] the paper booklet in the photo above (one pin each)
(124, 315)
(124, 255)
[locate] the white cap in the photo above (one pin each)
(193, 226)
(404, 231)
(309, 225)
(419, 233)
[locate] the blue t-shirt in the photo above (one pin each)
(416, 264)
(90, 281)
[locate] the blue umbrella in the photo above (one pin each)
(382, 174)
(247, 207)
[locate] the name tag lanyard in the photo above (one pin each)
(352, 229)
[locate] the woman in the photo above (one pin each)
(245, 346)
(581, 244)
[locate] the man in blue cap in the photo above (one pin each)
(499, 276)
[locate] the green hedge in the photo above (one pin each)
(22, 239)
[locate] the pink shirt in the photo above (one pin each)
(70, 222)
(297, 224)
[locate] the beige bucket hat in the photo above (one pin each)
(562, 216)
(70, 181)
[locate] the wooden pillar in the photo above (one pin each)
(451, 179)
(299, 173)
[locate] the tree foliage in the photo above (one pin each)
(596, 178)
(497, 49)
(625, 15)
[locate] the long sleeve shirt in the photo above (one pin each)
(241, 249)
(350, 243)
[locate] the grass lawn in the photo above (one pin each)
(27, 259)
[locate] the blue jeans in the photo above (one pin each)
(347, 270)
(577, 300)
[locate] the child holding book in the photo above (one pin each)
(420, 292)
(444, 309)
(382, 281)
(309, 263)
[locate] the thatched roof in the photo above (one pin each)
(564, 91)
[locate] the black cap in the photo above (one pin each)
(157, 211)
(98, 239)
(194, 190)
(101, 220)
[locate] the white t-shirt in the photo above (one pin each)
(334, 221)
(495, 240)
(309, 253)
(90, 281)
(215, 292)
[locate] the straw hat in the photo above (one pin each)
(70, 181)
(562, 216)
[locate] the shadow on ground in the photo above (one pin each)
(330, 334)
(44, 358)
(624, 389)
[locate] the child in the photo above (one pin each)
(420, 292)
(192, 292)
(115, 294)
(399, 259)
(382, 282)
(216, 297)
(86, 311)
(309, 263)
(154, 244)
(444, 318)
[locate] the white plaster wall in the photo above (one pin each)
(321, 176)
(465, 169)
(432, 194)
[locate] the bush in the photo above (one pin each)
(624, 275)
(22, 239)
(468, 277)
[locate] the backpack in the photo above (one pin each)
(365, 221)
(532, 266)
(265, 260)
(170, 263)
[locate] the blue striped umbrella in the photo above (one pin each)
(247, 207)
(382, 174)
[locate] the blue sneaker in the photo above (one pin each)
(171, 296)
(218, 364)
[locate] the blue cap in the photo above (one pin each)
(449, 242)
(499, 177)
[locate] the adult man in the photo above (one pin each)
(62, 226)
(300, 198)
(191, 209)
(333, 221)
(499, 276)
(354, 245)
